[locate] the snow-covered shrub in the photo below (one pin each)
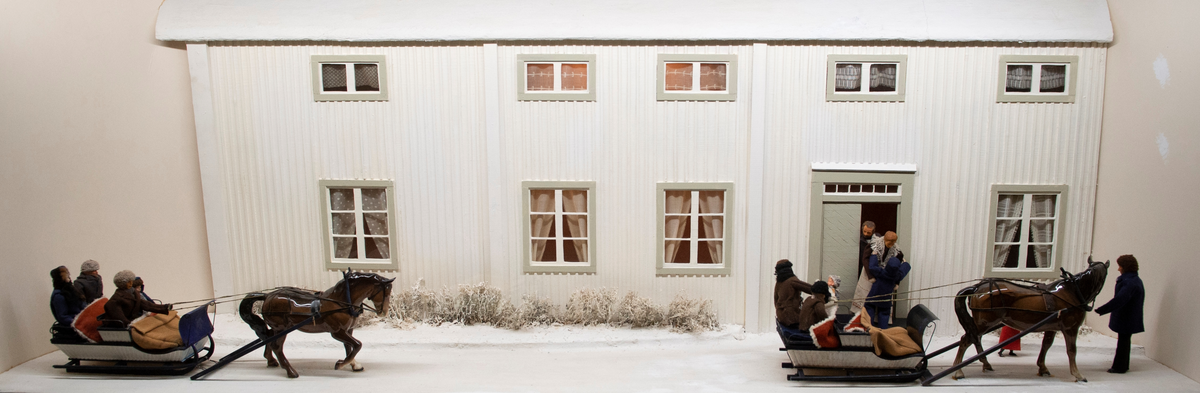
(419, 304)
(638, 312)
(685, 314)
(479, 303)
(589, 306)
(533, 311)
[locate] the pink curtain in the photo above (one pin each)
(539, 77)
(678, 76)
(574, 77)
(712, 77)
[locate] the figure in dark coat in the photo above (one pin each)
(787, 295)
(1126, 308)
(89, 282)
(65, 302)
(126, 304)
(887, 279)
(813, 310)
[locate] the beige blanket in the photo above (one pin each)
(157, 331)
(893, 341)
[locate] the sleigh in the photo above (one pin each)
(855, 360)
(117, 353)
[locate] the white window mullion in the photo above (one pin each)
(1023, 240)
(694, 218)
(864, 81)
(1035, 85)
(558, 228)
(695, 86)
(557, 85)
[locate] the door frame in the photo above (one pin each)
(818, 199)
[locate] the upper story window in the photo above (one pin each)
(556, 77)
(349, 78)
(866, 77)
(1024, 232)
(693, 228)
(697, 77)
(1037, 78)
(559, 227)
(359, 224)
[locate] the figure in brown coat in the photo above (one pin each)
(813, 309)
(126, 304)
(787, 294)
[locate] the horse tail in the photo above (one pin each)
(964, 313)
(246, 310)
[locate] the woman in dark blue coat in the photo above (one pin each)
(1126, 309)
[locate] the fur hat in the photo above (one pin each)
(123, 277)
(89, 266)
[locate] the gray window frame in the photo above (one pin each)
(831, 93)
(727, 259)
(1072, 63)
(527, 264)
(523, 95)
(320, 95)
(1059, 227)
(731, 83)
(327, 231)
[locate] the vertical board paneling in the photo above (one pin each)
(627, 142)
(276, 143)
(429, 138)
(960, 139)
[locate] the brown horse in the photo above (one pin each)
(996, 302)
(334, 311)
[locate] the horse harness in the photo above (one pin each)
(1047, 294)
(315, 305)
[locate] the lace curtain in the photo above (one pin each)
(366, 77)
(1041, 231)
(333, 77)
(1007, 230)
(883, 77)
(678, 76)
(345, 223)
(1019, 78)
(1053, 79)
(848, 77)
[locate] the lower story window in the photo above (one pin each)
(694, 222)
(1025, 226)
(359, 224)
(560, 227)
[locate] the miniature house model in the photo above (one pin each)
(545, 148)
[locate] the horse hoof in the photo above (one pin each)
(988, 368)
(360, 368)
(1081, 379)
(958, 375)
(293, 375)
(338, 365)
(272, 364)
(1044, 374)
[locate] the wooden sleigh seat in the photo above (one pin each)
(122, 355)
(858, 353)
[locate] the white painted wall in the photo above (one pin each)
(960, 140)
(97, 160)
(1150, 171)
(430, 138)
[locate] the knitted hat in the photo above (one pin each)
(89, 266)
(123, 277)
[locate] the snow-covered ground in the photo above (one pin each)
(453, 358)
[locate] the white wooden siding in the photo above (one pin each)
(952, 129)
(275, 143)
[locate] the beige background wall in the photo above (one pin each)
(1150, 171)
(97, 160)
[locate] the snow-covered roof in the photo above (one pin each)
(623, 20)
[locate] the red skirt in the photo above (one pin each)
(1007, 332)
